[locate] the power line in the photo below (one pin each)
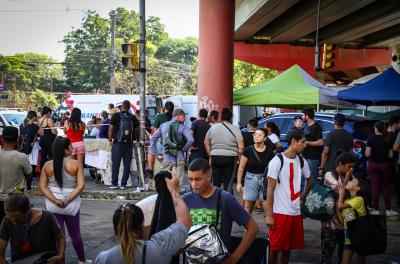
(42, 10)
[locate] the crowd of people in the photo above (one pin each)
(269, 179)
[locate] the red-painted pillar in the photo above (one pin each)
(216, 35)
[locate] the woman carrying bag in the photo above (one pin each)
(255, 160)
(61, 181)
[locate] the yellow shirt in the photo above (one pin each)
(357, 204)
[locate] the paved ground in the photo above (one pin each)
(96, 226)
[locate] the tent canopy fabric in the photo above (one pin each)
(381, 90)
(292, 88)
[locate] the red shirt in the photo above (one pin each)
(76, 136)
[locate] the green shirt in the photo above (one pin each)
(160, 119)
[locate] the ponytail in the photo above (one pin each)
(59, 146)
(129, 227)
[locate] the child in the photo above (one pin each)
(350, 209)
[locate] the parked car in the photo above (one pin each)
(10, 117)
(360, 127)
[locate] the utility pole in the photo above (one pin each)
(142, 67)
(142, 84)
(113, 16)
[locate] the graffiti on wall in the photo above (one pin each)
(207, 104)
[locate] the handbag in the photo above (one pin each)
(319, 203)
(204, 245)
(72, 207)
(368, 234)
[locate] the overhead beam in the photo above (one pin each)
(300, 21)
(282, 56)
(385, 38)
(365, 21)
(252, 15)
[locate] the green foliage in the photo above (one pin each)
(41, 98)
(29, 71)
(87, 54)
(247, 75)
(178, 50)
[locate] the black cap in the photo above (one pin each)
(339, 119)
(297, 117)
(295, 134)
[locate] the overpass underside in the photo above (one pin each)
(362, 30)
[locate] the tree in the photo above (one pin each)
(247, 75)
(178, 50)
(41, 98)
(155, 31)
(28, 71)
(86, 61)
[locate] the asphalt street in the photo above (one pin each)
(96, 229)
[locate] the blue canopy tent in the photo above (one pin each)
(381, 90)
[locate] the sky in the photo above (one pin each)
(38, 26)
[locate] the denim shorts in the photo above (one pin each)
(253, 187)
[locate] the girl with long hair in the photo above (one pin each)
(48, 133)
(28, 133)
(128, 222)
(74, 129)
(61, 182)
(379, 152)
(254, 161)
(274, 134)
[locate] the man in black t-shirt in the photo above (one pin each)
(199, 130)
(314, 142)
(121, 150)
(337, 140)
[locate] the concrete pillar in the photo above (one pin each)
(215, 82)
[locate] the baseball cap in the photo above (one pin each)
(297, 117)
(295, 134)
(178, 111)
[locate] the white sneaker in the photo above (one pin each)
(88, 261)
(374, 212)
(391, 213)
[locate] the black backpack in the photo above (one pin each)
(27, 141)
(125, 132)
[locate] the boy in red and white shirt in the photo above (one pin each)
(284, 198)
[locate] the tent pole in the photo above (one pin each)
(366, 110)
(317, 107)
(337, 105)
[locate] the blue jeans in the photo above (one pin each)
(120, 151)
(253, 187)
(313, 165)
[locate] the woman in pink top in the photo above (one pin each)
(74, 128)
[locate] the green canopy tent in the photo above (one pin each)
(293, 88)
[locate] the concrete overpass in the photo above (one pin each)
(278, 33)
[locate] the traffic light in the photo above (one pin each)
(327, 56)
(130, 58)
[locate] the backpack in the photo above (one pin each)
(279, 155)
(125, 132)
(173, 143)
(27, 141)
